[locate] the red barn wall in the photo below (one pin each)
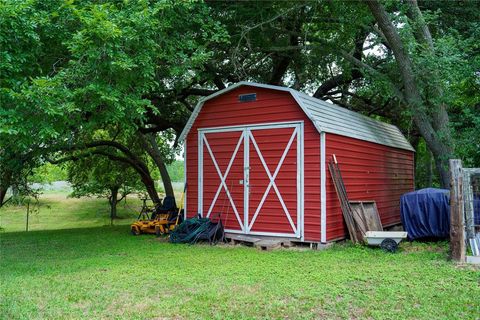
(370, 172)
(270, 106)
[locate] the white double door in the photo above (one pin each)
(251, 178)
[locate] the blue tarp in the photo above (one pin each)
(426, 213)
(476, 208)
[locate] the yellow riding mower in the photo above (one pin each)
(162, 219)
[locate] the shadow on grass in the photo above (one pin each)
(65, 242)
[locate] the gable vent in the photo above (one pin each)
(247, 97)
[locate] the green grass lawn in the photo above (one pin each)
(104, 272)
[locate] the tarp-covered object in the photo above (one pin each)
(476, 208)
(426, 213)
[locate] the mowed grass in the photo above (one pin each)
(103, 272)
(56, 211)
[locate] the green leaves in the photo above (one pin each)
(71, 66)
(97, 176)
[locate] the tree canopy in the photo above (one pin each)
(133, 71)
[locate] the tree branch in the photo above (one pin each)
(196, 92)
(421, 30)
(90, 153)
(344, 78)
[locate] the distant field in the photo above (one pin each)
(55, 210)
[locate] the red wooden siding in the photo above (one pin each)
(371, 172)
(270, 106)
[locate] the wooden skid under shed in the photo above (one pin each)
(260, 242)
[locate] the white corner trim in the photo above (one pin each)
(185, 186)
(323, 189)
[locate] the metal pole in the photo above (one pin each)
(28, 213)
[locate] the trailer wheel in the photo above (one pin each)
(389, 245)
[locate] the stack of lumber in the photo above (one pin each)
(359, 216)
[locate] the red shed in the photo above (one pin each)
(257, 154)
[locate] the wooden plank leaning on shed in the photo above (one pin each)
(342, 197)
(367, 209)
(360, 216)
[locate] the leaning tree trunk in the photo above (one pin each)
(150, 145)
(149, 184)
(3, 193)
(440, 150)
(113, 200)
(134, 161)
(440, 119)
(4, 185)
(434, 129)
(167, 182)
(429, 169)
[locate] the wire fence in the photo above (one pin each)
(471, 198)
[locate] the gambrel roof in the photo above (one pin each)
(326, 117)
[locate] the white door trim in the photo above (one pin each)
(263, 125)
(200, 174)
(301, 177)
(246, 175)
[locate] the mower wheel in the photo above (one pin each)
(135, 231)
(157, 231)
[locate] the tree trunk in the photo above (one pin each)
(113, 201)
(167, 182)
(429, 169)
(150, 187)
(440, 119)
(5, 181)
(438, 141)
(3, 193)
(129, 158)
(150, 145)
(414, 141)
